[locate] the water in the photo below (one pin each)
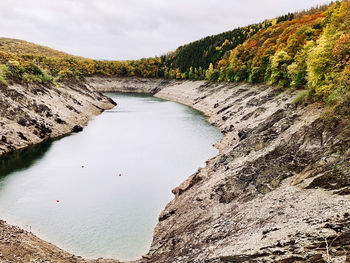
(154, 145)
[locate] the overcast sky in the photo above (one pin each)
(131, 29)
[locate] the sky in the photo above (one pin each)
(132, 29)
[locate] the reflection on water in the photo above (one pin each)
(22, 159)
(154, 145)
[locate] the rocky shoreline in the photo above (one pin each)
(278, 191)
(31, 114)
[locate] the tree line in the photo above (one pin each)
(309, 49)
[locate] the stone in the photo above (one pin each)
(77, 128)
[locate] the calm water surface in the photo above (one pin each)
(154, 145)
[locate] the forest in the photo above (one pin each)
(305, 50)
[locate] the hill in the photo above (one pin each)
(306, 49)
(309, 49)
(21, 47)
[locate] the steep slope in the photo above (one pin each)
(213, 49)
(34, 113)
(309, 49)
(277, 192)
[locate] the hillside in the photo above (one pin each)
(298, 50)
(21, 47)
(278, 189)
(212, 49)
(306, 49)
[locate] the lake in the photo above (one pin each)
(98, 193)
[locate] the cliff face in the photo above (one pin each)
(31, 114)
(277, 191)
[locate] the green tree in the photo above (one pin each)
(279, 68)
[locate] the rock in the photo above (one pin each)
(244, 133)
(60, 121)
(166, 215)
(77, 128)
(22, 122)
(22, 136)
(42, 130)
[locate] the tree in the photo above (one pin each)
(279, 68)
(209, 72)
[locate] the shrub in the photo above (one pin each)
(256, 75)
(297, 76)
(46, 77)
(65, 74)
(301, 97)
(4, 72)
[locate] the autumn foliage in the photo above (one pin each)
(309, 49)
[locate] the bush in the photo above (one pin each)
(4, 72)
(256, 75)
(46, 77)
(242, 74)
(296, 75)
(215, 75)
(301, 97)
(65, 74)
(15, 68)
(42, 78)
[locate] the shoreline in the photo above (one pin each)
(33, 114)
(261, 127)
(42, 236)
(263, 160)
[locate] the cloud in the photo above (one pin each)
(119, 29)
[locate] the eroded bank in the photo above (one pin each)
(277, 191)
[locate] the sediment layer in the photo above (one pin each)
(31, 114)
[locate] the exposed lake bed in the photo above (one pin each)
(99, 193)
